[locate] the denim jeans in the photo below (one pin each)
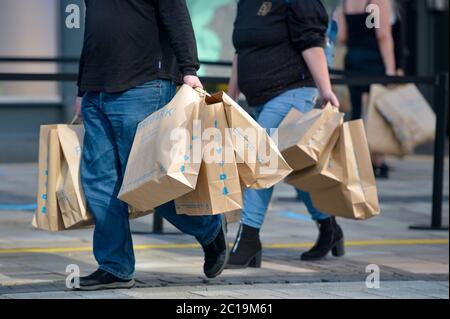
(270, 116)
(110, 121)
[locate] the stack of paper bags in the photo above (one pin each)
(349, 188)
(340, 179)
(200, 151)
(60, 200)
(304, 137)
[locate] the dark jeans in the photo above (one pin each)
(364, 62)
(110, 121)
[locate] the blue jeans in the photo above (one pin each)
(110, 121)
(269, 116)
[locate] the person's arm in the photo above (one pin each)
(80, 93)
(342, 23)
(77, 107)
(384, 36)
(317, 63)
(233, 87)
(80, 74)
(177, 23)
(308, 24)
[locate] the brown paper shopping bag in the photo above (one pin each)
(304, 137)
(73, 211)
(70, 193)
(326, 173)
(60, 203)
(356, 197)
(48, 216)
(161, 166)
(409, 114)
(218, 188)
(380, 134)
(260, 163)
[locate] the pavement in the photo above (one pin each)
(412, 264)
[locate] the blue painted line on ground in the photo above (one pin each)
(296, 216)
(17, 207)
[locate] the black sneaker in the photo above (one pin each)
(101, 279)
(217, 253)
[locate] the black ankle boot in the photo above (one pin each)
(247, 249)
(331, 238)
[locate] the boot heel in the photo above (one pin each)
(338, 249)
(256, 261)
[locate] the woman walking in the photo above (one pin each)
(279, 62)
(371, 51)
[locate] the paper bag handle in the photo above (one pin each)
(335, 108)
(77, 120)
(202, 91)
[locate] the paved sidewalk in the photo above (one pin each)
(339, 290)
(413, 264)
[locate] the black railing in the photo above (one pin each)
(440, 84)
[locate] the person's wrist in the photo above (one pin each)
(325, 92)
(193, 81)
(189, 71)
(328, 96)
(391, 72)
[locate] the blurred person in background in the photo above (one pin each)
(370, 51)
(125, 75)
(280, 64)
(398, 28)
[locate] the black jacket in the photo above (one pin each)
(269, 38)
(130, 42)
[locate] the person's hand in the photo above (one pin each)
(192, 81)
(77, 107)
(329, 97)
(234, 94)
(391, 72)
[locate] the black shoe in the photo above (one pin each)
(381, 171)
(217, 253)
(331, 238)
(247, 249)
(101, 279)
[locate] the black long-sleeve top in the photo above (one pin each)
(269, 38)
(128, 43)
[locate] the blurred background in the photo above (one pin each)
(36, 29)
(38, 67)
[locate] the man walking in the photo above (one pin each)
(135, 52)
